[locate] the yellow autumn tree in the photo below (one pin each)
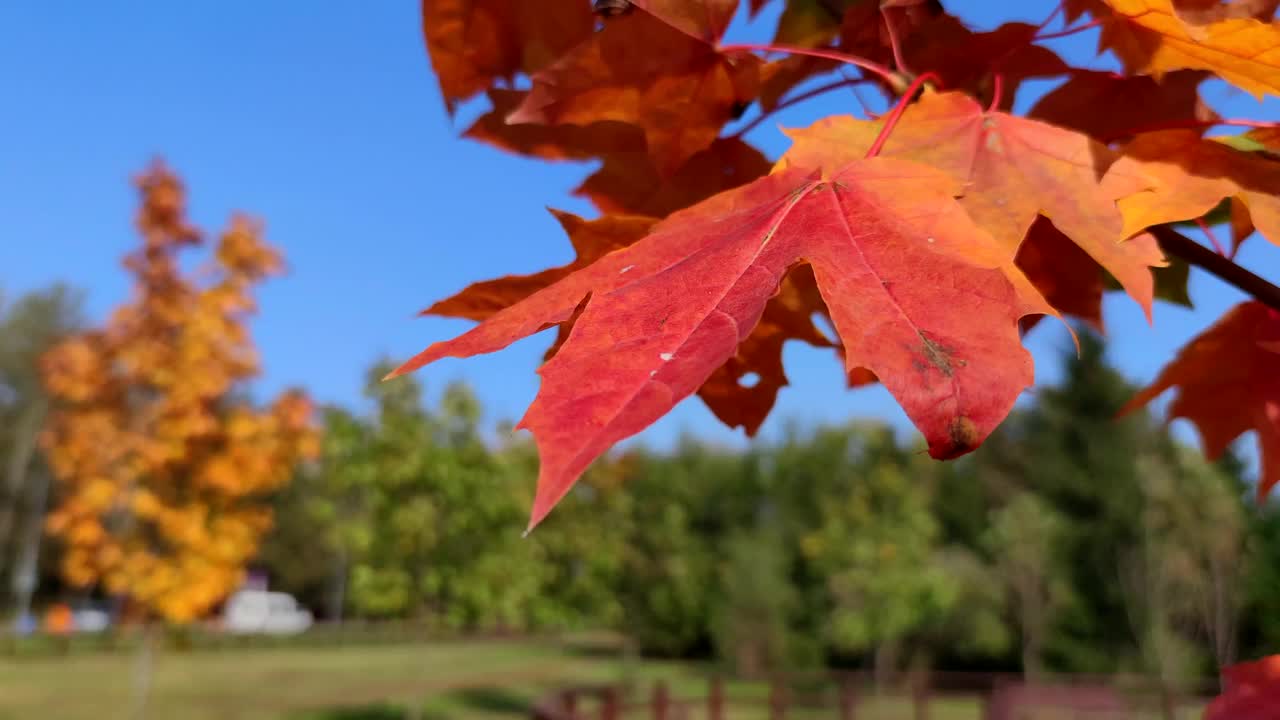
(162, 466)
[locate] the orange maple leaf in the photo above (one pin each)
(1190, 175)
(1228, 381)
(640, 70)
(1194, 13)
(1014, 170)
(552, 142)
(474, 42)
(1150, 37)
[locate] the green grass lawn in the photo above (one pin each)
(253, 684)
(479, 680)
(483, 680)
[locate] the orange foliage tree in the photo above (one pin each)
(161, 466)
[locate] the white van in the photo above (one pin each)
(261, 612)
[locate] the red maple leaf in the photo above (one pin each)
(1252, 692)
(919, 295)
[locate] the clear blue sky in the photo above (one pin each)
(324, 120)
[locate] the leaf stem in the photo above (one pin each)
(896, 113)
(1181, 246)
(889, 76)
(1057, 9)
(796, 100)
(894, 43)
(1069, 31)
(1213, 239)
(1190, 124)
(862, 103)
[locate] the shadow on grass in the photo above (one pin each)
(593, 650)
(493, 700)
(366, 712)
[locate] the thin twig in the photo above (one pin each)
(900, 107)
(1181, 246)
(862, 103)
(857, 96)
(1069, 31)
(1213, 239)
(889, 76)
(1049, 19)
(894, 43)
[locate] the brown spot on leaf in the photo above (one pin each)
(964, 436)
(938, 355)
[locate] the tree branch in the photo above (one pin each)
(1181, 246)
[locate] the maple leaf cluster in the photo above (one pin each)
(158, 463)
(929, 238)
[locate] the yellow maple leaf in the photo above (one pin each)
(1150, 38)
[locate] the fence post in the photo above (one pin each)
(848, 697)
(778, 701)
(920, 693)
(611, 708)
(661, 701)
(715, 699)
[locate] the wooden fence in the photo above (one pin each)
(849, 696)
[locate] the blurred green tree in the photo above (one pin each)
(1068, 448)
(1025, 538)
(412, 512)
(669, 567)
(839, 541)
(29, 326)
(1260, 616)
(1184, 578)
(870, 538)
(753, 617)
